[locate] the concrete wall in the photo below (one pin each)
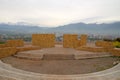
(43, 40)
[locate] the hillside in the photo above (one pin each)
(111, 28)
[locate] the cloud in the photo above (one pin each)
(58, 12)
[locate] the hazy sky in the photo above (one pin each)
(59, 12)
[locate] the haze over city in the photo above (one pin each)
(52, 13)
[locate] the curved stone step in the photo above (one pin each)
(58, 56)
(33, 54)
(11, 73)
(86, 54)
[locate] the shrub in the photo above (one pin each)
(118, 39)
(116, 44)
(2, 42)
(109, 40)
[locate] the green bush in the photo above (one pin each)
(118, 39)
(2, 42)
(116, 44)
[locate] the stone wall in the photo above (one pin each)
(12, 43)
(115, 52)
(43, 40)
(15, 43)
(2, 45)
(70, 40)
(104, 44)
(83, 40)
(8, 51)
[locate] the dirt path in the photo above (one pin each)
(62, 66)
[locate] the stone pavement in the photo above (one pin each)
(7, 72)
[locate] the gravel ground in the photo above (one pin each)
(62, 67)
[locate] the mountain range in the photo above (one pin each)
(92, 28)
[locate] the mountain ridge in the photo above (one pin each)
(92, 28)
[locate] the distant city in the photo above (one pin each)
(59, 37)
